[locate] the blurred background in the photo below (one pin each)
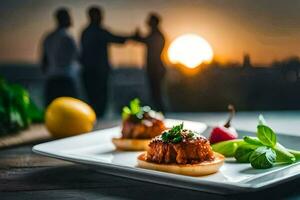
(241, 53)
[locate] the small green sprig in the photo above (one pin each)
(176, 135)
(135, 110)
(173, 135)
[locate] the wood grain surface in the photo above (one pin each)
(35, 133)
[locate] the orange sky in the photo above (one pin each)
(266, 31)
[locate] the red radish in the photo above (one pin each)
(226, 132)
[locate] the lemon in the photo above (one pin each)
(67, 116)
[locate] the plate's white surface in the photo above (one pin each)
(96, 149)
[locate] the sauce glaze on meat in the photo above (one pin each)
(190, 150)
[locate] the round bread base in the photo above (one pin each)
(199, 169)
(131, 144)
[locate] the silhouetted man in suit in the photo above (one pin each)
(59, 56)
(155, 69)
(94, 57)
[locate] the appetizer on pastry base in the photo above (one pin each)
(139, 125)
(181, 151)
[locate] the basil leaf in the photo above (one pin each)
(244, 152)
(266, 135)
(263, 158)
(283, 155)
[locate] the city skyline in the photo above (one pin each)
(266, 32)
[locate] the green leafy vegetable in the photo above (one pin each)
(227, 148)
(263, 158)
(295, 153)
(253, 141)
(244, 152)
(266, 135)
(283, 155)
(261, 151)
(17, 110)
(34, 113)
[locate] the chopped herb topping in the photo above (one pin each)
(176, 134)
(135, 110)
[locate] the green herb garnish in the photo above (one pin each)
(261, 151)
(175, 134)
(135, 111)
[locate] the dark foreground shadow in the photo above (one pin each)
(79, 182)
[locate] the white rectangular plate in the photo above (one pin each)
(96, 150)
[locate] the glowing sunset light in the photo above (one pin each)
(190, 50)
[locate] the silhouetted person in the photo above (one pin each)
(59, 54)
(94, 57)
(155, 69)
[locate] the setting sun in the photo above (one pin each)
(190, 50)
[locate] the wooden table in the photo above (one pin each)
(25, 175)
